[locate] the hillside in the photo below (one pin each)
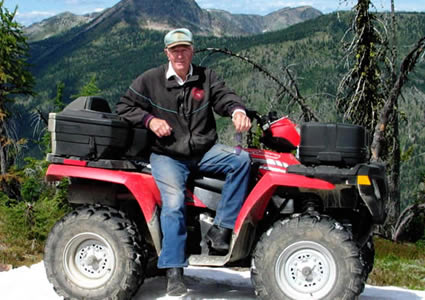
(117, 52)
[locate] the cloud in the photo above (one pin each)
(31, 17)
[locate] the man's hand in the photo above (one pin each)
(241, 121)
(160, 127)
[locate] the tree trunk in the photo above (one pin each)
(393, 204)
(3, 160)
(3, 154)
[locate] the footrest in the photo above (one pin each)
(208, 260)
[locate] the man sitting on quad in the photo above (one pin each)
(176, 102)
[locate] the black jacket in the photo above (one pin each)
(188, 109)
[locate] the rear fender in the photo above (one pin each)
(256, 203)
(142, 186)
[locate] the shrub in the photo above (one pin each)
(27, 220)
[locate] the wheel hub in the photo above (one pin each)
(306, 270)
(89, 260)
(92, 259)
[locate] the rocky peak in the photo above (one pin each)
(167, 14)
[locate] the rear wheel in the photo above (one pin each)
(95, 252)
(307, 258)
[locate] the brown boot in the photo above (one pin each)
(219, 238)
(175, 286)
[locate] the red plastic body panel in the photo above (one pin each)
(74, 162)
(285, 128)
(258, 199)
(142, 186)
(272, 173)
(272, 161)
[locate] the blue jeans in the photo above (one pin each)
(171, 176)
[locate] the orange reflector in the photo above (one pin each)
(363, 180)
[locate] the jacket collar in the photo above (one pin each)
(172, 79)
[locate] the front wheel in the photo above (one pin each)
(95, 252)
(307, 258)
(367, 256)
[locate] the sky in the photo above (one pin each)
(203, 283)
(31, 11)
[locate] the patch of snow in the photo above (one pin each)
(203, 283)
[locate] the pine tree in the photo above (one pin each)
(90, 89)
(15, 79)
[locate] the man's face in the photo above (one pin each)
(180, 57)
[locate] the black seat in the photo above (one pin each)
(207, 182)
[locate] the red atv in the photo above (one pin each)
(305, 227)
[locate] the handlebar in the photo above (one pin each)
(253, 114)
(263, 121)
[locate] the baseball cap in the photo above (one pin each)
(180, 36)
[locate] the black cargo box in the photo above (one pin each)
(333, 144)
(86, 128)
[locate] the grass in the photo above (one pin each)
(398, 264)
(19, 252)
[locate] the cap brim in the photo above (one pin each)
(178, 43)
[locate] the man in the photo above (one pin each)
(176, 102)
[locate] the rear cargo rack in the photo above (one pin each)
(138, 165)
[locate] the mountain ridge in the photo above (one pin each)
(167, 14)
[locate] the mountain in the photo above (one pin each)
(167, 14)
(56, 25)
(289, 16)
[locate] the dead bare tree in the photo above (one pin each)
(372, 100)
(291, 89)
(360, 91)
(395, 221)
(395, 156)
(405, 224)
(406, 67)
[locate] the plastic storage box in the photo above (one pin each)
(86, 128)
(333, 144)
(82, 132)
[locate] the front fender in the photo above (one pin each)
(374, 191)
(255, 204)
